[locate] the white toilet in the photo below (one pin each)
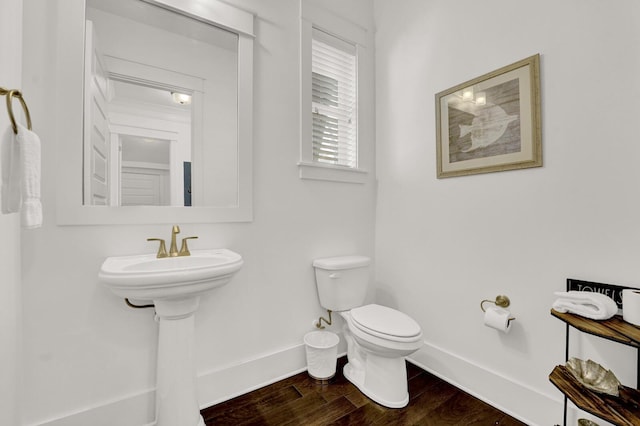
(378, 338)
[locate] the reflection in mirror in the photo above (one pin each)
(145, 172)
(161, 108)
(148, 168)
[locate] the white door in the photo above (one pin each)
(96, 128)
(144, 187)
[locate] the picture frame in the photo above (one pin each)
(491, 123)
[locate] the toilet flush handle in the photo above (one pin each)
(335, 275)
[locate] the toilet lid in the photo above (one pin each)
(383, 320)
(341, 262)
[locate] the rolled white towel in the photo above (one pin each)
(585, 303)
(30, 163)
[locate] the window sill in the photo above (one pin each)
(316, 171)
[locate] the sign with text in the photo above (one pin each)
(613, 291)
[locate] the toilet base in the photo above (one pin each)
(383, 380)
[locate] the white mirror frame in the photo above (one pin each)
(69, 112)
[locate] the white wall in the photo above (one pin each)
(442, 246)
(85, 350)
(10, 291)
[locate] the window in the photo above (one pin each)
(334, 101)
(329, 142)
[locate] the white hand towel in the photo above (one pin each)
(10, 155)
(30, 163)
(585, 303)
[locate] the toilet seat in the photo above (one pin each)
(386, 323)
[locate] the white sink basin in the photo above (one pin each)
(146, 277)
(174, 284)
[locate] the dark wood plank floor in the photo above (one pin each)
(299, 400)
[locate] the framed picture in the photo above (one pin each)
(490, 123)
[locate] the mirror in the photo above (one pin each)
(155, 75)
(167, 112)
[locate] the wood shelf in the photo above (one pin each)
(622, 410)
(615, 328)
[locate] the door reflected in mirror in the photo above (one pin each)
(145, 171)
(161, 108)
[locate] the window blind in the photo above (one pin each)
(334, 100)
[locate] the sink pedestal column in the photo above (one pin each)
(176, 395)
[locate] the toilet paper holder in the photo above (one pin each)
(501, 301)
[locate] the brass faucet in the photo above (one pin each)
(173, 249)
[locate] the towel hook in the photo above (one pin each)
(18, 95)
(501, 300)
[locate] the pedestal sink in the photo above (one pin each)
(174, 284)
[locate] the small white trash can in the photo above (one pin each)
(322, 354)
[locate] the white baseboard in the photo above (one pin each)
(214, 387)
(131, 410)
(516, 399)
(233, 380)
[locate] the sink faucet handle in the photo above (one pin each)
(184, 250)
(162, 250)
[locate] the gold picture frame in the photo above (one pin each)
(490, 123)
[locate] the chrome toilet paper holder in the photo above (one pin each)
(501, 301)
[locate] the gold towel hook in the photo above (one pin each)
(501, 300)
(17, 94)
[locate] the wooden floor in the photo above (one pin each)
(299, 400)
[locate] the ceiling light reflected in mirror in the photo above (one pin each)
(181, 98)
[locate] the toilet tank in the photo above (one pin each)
(342, 281)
